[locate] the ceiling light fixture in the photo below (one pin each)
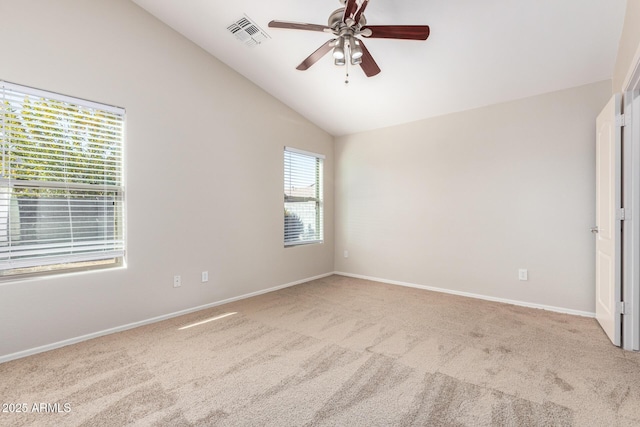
(356, 50)
(347, 24)
(347, 49)
(338, 51)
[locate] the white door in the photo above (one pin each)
(608, 231)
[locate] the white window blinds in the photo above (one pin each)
(303, 208)
(61, 189)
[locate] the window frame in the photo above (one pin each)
(116, 221)
(318, 199)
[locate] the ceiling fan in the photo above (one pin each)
(348, 24)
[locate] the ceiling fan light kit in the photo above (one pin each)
(347, 24)
(338, 51)
(356, 50)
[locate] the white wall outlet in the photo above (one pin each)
(523, 274)
(177, 281)
(346, 253)
(205, 276)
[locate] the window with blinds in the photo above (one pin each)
(61, 189)
(303, 208)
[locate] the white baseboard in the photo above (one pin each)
(471, 295)
(75, 340)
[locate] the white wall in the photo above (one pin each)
(204, 169)
(461, 202)
(629, 44)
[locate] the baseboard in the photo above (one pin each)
(64, 343)
(472, 295)
(122, 328)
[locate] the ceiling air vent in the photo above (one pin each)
(248, 32)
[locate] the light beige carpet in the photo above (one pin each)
(340, 352)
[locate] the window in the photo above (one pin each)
(302, 197)
(61, 189)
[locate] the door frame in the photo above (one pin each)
(631, 202)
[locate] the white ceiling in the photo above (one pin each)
(480, 52)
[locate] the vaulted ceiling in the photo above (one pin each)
(479, 53)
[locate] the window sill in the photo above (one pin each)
(57, 270)
(303, 243)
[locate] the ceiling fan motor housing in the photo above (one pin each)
(335, 20)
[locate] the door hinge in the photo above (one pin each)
(620, 308)
(621, 214)
(621, 120)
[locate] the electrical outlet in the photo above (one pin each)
(346, 254)
(523, 274)
(177, 281)
(205, 276)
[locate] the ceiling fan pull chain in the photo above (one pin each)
(346, 78)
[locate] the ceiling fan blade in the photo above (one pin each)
(298, 26)
(407, 32)
(315, 56)
(368, 65)
(353, 10)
